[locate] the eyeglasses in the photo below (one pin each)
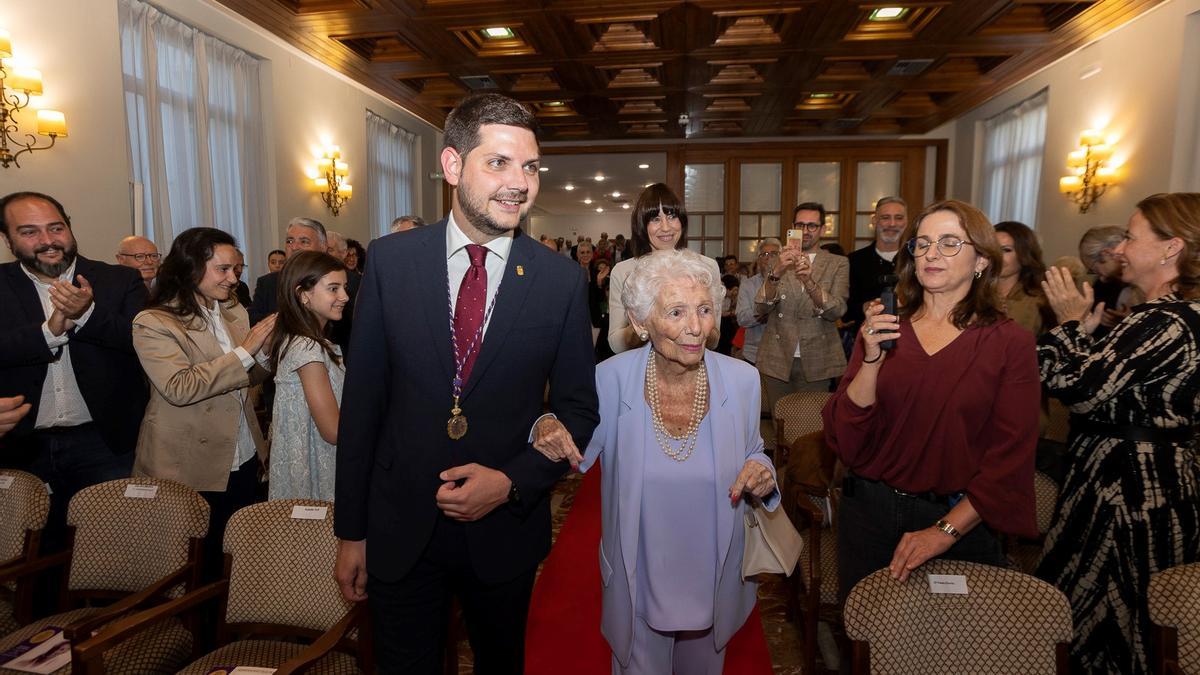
(948, 245)
(768, 254)
(142, 257)
(807, 227)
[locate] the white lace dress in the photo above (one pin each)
(302, 463)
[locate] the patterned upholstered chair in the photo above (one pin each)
(1174, 599)
(132, 551)
(278, 587)
(1027, 553)
(795, 415)
(24, 506)
(1008, 622)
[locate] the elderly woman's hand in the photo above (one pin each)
(753, 478)
(1068, 303)
(553, 440)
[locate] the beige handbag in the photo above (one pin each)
(772, 543)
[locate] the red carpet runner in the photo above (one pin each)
(563, 635)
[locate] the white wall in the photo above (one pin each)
(306, 104)
(1135, 97)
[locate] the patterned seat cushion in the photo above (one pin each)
(161, 649)
(1174, 600)
(8, 624)
(269, 654)
(829, 567)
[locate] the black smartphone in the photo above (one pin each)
(887, 296)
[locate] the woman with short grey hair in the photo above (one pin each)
(1096, 251)
(680, 446)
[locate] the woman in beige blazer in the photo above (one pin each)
(198, 350)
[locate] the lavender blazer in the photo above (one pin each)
(620, 442)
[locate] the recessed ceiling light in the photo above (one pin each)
(616, 194)
(647, 185)
(568, 187)
(887, 14)
(554, 104)
(587, 201)
(625, 206)
(543, 169)
(821, 94)
(498, 32)
(643, 166)
(599, 178)
(599, 209)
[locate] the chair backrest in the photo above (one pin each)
(1174, 601)
(800, 413)
(1008, 622)
(24, 506)
(282, 570)
(132, 532)
(1058, 423)
(1045, 497)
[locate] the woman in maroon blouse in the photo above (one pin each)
(938, 433)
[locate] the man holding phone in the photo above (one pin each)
(803, 296)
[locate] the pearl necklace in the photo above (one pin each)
(699, 403)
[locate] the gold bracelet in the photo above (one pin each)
(948, 529)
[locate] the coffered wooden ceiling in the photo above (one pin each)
(629, 69)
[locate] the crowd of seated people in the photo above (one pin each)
(147, 367)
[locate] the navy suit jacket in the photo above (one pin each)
(265, 302)
(107, 369)
(392, 441)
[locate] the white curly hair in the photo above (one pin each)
(661, 267)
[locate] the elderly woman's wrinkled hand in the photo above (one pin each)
(755, 479)
(553, 440)
(1068, 303)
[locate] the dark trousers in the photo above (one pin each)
(409, 616)
(240, 492)
(68, 459)
(871, 519)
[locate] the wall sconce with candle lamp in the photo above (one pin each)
(18, 86)
(331, 179)
(1091, 174)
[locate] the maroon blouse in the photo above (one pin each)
(965, 418)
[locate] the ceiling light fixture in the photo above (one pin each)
(643, 166)
(888, 14)
(599, 209)
(599, 178)
(821, 95)
(616, 194)
(625, 206)
(587, 201)
(543, 169)
(568, 187)
(499, 33)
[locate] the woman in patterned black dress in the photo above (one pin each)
(1130, 504)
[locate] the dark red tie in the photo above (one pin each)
(469, 309)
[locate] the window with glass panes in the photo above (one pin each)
(704, 199)
(821, 182)
(876, 180)
(759, 197)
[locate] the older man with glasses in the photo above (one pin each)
(803, 296)
(755, 324)
(142, 255)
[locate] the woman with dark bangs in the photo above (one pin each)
(658, 223)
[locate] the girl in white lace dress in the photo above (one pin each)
(308, 377)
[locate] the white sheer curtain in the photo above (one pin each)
(194, 113)
(1013, 145)
(391, 154)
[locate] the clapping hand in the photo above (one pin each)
(1068, 303)
(755, 479)
(11, 411)
(257, 337)
(553, 440)
(71, 301)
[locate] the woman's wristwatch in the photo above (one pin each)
(948, 529)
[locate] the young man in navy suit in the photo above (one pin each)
(458, 329)
(66, 347)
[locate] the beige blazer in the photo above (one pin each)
(793, 320)
(190, 430)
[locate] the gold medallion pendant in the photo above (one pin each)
(456, 428)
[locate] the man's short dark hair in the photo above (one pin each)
(476, 110)
(277, 251)
(28, 194)
(810, 206)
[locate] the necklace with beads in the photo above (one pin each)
(687, 440)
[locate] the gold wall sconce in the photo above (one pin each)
(18, 86)
(1091, 174)
(332, 179)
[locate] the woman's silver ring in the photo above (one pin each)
(870, 331)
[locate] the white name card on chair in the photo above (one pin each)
(6, 482)
(141, 491)
(303, 512)
(251, 670)
(954, 584)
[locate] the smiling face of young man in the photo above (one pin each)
(495, 182)
(39, 237)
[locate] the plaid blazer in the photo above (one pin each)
(793, 320)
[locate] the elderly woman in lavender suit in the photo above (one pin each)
(682, 459)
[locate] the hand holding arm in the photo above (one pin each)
(553, 440)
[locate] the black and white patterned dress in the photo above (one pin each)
(1127, 509)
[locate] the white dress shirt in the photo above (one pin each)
(245, 443)
(458, 261)
(61, 403)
